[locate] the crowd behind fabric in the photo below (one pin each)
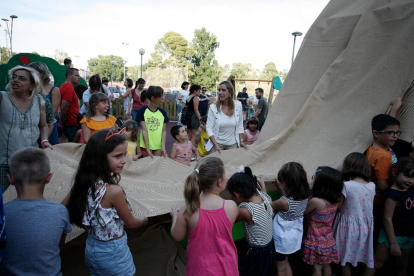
(362, 214)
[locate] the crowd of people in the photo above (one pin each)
(361, 214)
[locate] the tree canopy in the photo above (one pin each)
(102, 65)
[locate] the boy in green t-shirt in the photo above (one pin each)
(202, 137)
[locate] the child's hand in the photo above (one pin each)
(174, 213)
(164, 153)
(199, 130)
(150, 154)
(397, 102)
(278, 185)
(135, 158)
(395, 250)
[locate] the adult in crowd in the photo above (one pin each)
(262, 108)
(225, 121)
(22, 117)
(79, 89)
(105, 85)
(53, 95)
(243, 97)
(204, 99)
(96, 118)
(192, 103)
(68, 62)
(95, 85)
(69, 105)
(128, 85)
(181, 95)
(135, 100)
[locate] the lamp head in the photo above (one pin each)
(142, 51)
(13, 16)
(297, 34)
(112, 62)
(5, 19)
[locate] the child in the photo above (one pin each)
(202, 137)
(250, 110)
(183, 149)
(153, 120)
(97, 203)
(252, 131)
(385, 130)
(209, 220)
(354, 224)
(319, 247)
(397, 236)
(288, 221)
(96, 117)
(131, 133)
(257, 256)
(36, 227)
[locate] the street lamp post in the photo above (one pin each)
(126, 44)
(161, 80)
(112, 73)
(295, 34)
(142, 52)
(8, 31)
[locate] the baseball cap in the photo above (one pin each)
(104, 79)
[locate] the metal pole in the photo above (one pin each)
(293, 54)
(124, 70)
(141, 66)
(112, 73)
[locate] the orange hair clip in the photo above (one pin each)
(112, 133)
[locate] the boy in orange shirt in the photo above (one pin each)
(385, 129)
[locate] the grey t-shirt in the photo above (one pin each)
(34, 229)
(265, 108)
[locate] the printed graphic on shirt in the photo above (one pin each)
(152, 124)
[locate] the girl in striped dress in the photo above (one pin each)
(257, 255)
(319, 246)
(293, 187)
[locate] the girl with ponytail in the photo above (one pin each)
(209, 221)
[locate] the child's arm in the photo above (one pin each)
(198, 137)
(315, 204)
(145, 136)
(138, 154)
(179, 224)
(163, 140)
(262, 184)
(116, 198)
(62, 244)
(389, 228)
(396, 104)
(280, 204)
(86, 132)
(244, 215)
(197, 154)
(77, 136)
(174, 153)
(279, 187)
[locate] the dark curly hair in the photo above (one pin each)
(244, 184)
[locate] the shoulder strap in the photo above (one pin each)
(52, 89)
(1, 96)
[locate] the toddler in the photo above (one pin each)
(182, 149)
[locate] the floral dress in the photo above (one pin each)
(319, 245)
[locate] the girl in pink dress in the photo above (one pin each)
(319, 246)
(252, 131)
(354, 224)
(209, 220)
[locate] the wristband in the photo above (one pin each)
(198, 134)
(44, 141)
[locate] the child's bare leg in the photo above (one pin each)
(288, 268)
(327, 270)
(346, 270)
(281, 268)
(144, 153)
(381, 256)
(157, 152)
(317, 269)
(402, 262)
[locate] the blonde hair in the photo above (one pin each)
(95, 99)
(210, 170)
(230, 88)
(33, 77)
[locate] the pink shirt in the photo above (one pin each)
(210, 249)
(184, 154)
(251, 138)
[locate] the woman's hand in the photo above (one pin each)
(217, 148)
(243, 145)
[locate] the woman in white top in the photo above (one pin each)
(128, 85)
(181, 95)
(225, 121)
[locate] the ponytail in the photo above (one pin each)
(206, 173)
(143, 96)
(192, 193)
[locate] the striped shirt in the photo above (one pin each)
(260, 233)
(296, 209)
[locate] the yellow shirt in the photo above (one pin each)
(203, 141)
(132, 148)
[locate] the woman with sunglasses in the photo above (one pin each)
(22, 117)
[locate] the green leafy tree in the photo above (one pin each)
(59, 56)
(269, 71)
(102, 65)
(206, 70)
(241, 70)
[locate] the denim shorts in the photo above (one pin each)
(109, 257)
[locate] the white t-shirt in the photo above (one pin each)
(183, 93)
(105, 89)
(85, 97)
(226, 135)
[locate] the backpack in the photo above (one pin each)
(184, 113)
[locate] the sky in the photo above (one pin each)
(255, 32)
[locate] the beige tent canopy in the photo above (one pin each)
(355, 59)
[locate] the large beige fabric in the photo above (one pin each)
(355, 59)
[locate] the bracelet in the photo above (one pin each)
(44, 141)
(198, 134)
